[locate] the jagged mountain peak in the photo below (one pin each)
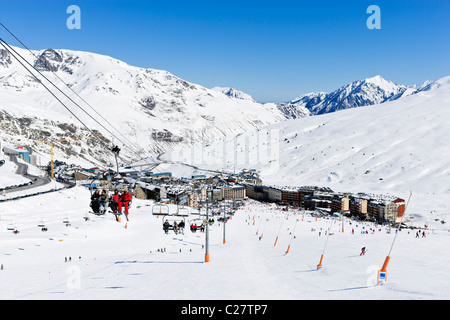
(360, 93)
(234, 93)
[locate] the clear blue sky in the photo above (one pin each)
(273, 50)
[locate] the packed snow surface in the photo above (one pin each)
(105, 260)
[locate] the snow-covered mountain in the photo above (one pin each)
(149, 110)
(234, 93)
(144, 111)
(360, 93)
(392, 147)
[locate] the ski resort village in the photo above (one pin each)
(125, 182)
(190, 191)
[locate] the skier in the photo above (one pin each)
(103, 201)
(166, 226)
(363, 251)
(95, 198)
(114, 202)
(125, 199)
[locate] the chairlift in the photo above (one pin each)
(169, 224)
(66, 222)
(183, 212)
(160, 209)
(201, 212)
(41, 224)
(198, 222)
(13, 228)
(95, 185)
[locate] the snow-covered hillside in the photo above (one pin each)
(391, 148)
(149, 110)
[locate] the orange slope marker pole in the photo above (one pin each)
(382, 273)
(292, 236)
(320, 266)
(260, 237)
(276, 240)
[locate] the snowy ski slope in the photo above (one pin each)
(109, 261)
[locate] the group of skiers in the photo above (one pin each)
(177, 227)
(101, 201)
(194, 227)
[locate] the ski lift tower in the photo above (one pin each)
(208, 196)
(116, 151)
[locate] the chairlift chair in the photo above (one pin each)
(66, 222)
(198, 222)
(201, 212)
(171, 223)
(183, 212)
(160, 209)
(41, 224)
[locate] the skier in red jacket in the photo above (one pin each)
(114, 202)
(124, 200)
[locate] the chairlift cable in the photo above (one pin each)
(40, 73)
(138, 153)
(11, 49)
(70, 88)
(2, 42)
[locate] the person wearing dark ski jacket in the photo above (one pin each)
(95, 201)
(166, 226)
(103, 200)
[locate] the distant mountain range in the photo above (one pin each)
(145, 111)
(360, 93)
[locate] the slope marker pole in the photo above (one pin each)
(382, 274)
(292, 236)
(260, 237)
(319, 266)
(276, 240)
